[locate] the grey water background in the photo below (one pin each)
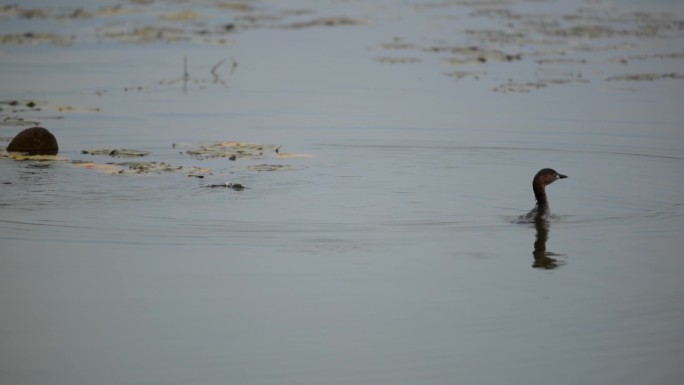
(388, 257)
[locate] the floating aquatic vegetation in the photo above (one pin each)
(18, 103)
(81, 13)
(456, 50)
(103, 168)
(181, 16)
(118, 152)
(239, 6)
(17, 121)
(23, 105)
(227, 185)
(546, 38)
(22, 157)
(66, 108)
(398, 60)
(531, 86)
(139, 168)
(561, 60)
(11, 111)
(232, 150)
(114, 168)
(145, 34)
(587, 31)
(24, 13)
(645, 77)
(14, 10)
(625, 59)
(146, 167)
(496, 36)
(464, 74)
(36, 38)
(289, 155)
(398, 44)
(324, 22)
(271, 167)
(484, 56)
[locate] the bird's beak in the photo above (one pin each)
(561, 176)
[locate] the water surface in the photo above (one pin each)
(387, 257)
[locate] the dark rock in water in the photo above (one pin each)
(34, 141)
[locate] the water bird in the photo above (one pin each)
(541, 211)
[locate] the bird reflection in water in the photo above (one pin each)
(544, 259)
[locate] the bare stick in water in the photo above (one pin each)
(186, 75)
(217, 78)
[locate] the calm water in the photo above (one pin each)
(388, 256)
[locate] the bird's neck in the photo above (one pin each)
(540, 195)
